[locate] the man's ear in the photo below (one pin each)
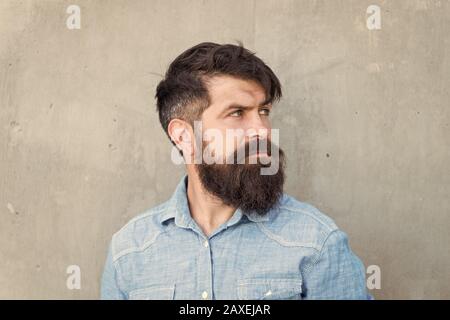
(181, 134)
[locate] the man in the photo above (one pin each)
(228, 231)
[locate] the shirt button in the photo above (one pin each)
(204, 295)
(206, 244)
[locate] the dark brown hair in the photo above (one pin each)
(183, 94)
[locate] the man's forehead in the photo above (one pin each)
(225, 90)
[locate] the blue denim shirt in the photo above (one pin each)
(294, 252)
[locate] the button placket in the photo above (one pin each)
(205, 270)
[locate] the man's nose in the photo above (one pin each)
(258, 128)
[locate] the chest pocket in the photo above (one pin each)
(165, 292)
(270, 289)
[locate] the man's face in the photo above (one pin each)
(232, 125)
(236, 107)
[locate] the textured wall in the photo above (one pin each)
(364, 122)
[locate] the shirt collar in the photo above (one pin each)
(178, 208)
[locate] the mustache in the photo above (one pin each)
(251, 148)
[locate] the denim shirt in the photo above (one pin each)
(293, 252)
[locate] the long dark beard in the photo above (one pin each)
(243, 185)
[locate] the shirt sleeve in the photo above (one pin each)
(109, 283)
(335, 272)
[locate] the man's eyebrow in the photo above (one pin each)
(240, 106)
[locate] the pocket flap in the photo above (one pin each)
(270, 288)
(161, 292)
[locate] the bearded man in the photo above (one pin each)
(229, 231)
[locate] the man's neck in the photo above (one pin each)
(207, 211)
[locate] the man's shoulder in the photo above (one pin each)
(139, 232)
(298, 223)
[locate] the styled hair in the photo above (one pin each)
(183, 93)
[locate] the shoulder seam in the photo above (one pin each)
(330, 228)
(282, 241)
(141, 216)
(141, 248)
(123, 252)
(315, 261)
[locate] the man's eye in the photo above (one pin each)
(265, 112)
(236, 113)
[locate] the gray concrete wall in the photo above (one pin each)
(364, 122)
